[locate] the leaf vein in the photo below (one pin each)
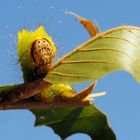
(123, 39)
(106, 49)
(59, 121)
(68, 75)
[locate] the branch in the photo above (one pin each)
(29, 104)
(25, 91)
(21, 100)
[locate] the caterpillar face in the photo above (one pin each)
(43, 55)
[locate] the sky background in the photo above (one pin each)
(121, 104)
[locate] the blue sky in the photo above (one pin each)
(121, 104)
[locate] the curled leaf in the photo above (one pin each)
(88, 24)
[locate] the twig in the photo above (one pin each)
(28, 104)
(26, 90)
(19, 98)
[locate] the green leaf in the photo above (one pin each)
(67, 121)
(7, 88)
(116, 49)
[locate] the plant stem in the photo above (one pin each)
(29, 104)
(26, 90)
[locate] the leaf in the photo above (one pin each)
(88, 24)
(116, 49)
(7, 88)
(67, 121)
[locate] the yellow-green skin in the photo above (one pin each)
(62, 91)
(25, 40)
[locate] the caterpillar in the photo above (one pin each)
(36, 51)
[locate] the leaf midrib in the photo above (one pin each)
(59, 121)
